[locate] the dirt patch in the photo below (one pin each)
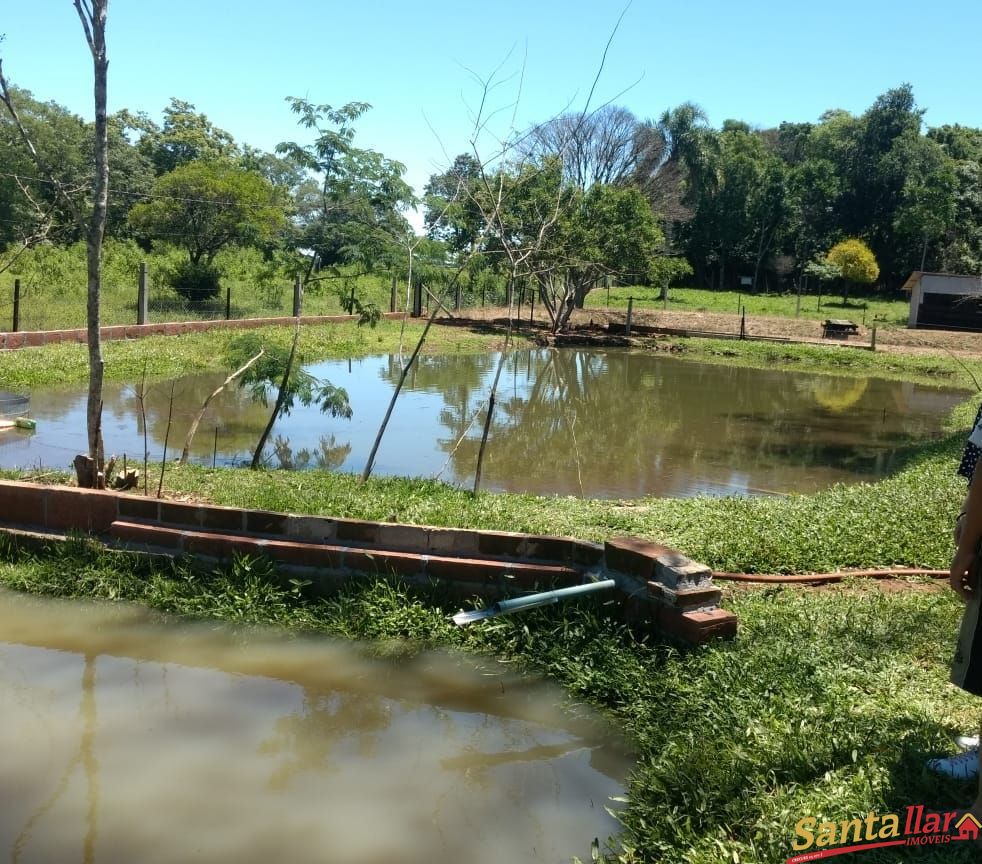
(892, 339)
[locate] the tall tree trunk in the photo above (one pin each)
(93, 18)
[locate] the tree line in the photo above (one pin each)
(579, 199)
(764, 206)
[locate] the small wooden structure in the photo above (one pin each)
(838, 328)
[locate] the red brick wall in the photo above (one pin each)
(659, 587)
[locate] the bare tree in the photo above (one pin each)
(92, 14)
(609, 146)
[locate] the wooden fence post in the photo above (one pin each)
(16, 321)
(141, 295)
(392, 296)
(297, 296)
(630, 311)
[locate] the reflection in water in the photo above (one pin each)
(576, 422)
(127, 737)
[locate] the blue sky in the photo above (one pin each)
(761, 61)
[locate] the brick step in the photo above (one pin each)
(477, 571)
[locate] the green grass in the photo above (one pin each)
(835, 360)
(53, 287)
(878, 310)
(903, 520)
(194, 352)
(826, 704)
(174, 355)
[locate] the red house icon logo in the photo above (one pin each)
(968, 827)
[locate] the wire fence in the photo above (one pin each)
(39, 305)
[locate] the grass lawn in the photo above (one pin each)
(881, 311)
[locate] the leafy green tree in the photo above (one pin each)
(452, 212)
(204, 207)
(185, 136)
(31, 208)
(353, 214)
(566, 239)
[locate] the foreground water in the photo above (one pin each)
(130, 738)
(572, 422)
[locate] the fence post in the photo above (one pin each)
(456, 298)
(872, 340)
(297, 296)
(417, 298)
(16, 321)
(141, 295)
(743, 322)
(228, 301)
(392, 296)
(630, 311)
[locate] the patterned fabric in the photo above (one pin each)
(973, 449)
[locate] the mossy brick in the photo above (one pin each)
(450, 541)
(686, 598)
(314, 529)
(675, 570)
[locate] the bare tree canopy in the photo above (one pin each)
(609, 146)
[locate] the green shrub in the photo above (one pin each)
(195, 282)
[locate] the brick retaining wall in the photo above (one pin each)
(659, 588)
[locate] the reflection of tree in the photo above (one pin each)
(238, 417)
(305, 740)
(84, 757)
(329, 455)
(638, 424)
(460, 379)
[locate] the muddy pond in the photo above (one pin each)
(128, 736)
(569, 422)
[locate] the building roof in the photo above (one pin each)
(915, 277)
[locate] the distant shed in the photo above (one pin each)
(945, 301)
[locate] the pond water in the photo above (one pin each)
(570, 422)
(129, 737)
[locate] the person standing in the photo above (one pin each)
(964, 578)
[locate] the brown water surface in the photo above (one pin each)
(128, 737)
(609, 424)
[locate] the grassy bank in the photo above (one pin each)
(826, 705)
(166, 356)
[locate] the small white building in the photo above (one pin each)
(944, 301)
